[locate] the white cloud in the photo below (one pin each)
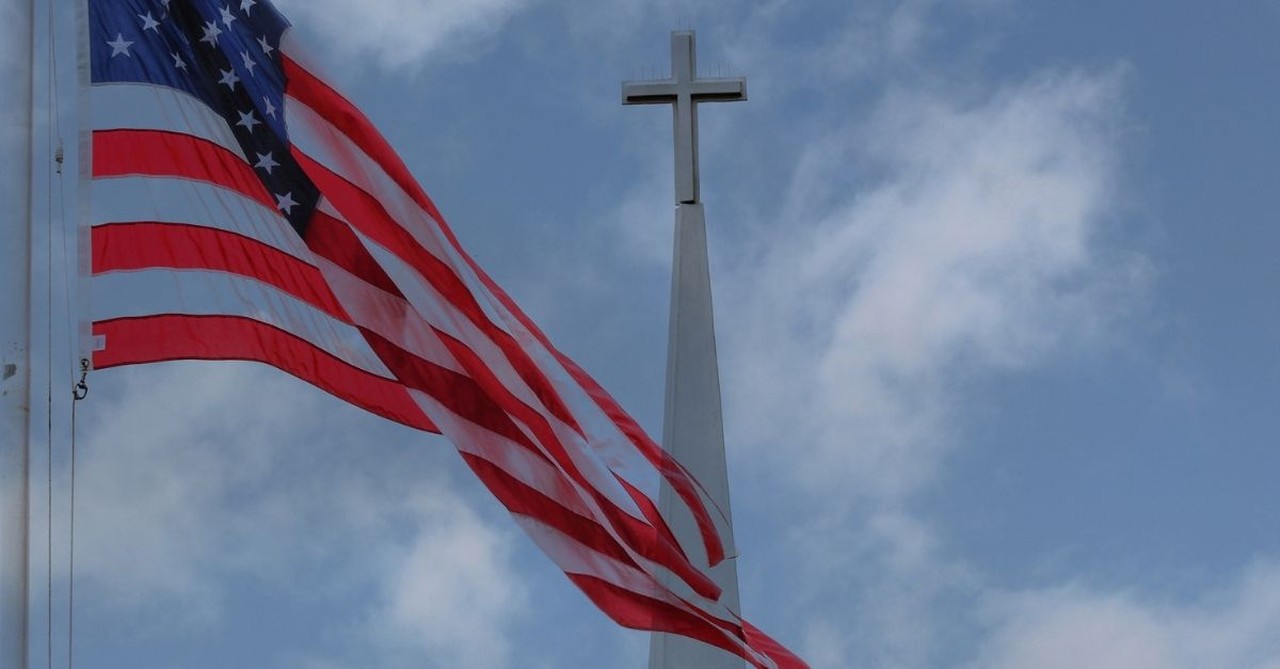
(406, 33)
(642, 220)
(1070, 627)
(943, 238)
(615, 21)
(160, 462)
(874, 591)
(878, 35)
(455, 595)
(195, 477)
(940, 239)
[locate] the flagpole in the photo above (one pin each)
(16, 89)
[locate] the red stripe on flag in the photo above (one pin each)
(519, 498)
(456, 392)
(650, 511)
(684, 485)
(483, 400)
(139, 245)
(634, 610)
(681, 482)
(637, 611)
(162, 153)
(166, 337)
(334, 241)
(318, 95)
(768, 646)
(646, 540)
(367, 215)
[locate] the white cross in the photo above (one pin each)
(684, 90)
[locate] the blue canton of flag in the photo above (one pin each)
(224, 54)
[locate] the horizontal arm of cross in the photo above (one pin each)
(727, 89)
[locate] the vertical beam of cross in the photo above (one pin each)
(683, 91)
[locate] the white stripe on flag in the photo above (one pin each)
(387, 315)
(512, 458)
(150, 107)
(175, 200)
(146, 292)
(316, 137)
(441, 314)
(583, 560)
(438, 312)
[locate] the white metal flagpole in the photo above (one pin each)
(16, 84)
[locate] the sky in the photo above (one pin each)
(999, 340)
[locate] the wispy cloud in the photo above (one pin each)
(943, 237)
(455, 595)
(198, 476)
(405, 33)
(159, 469)
(938, 239)
(1074, 626)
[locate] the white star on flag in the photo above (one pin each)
(267, 162)
(248, 62)
(178, 62)
(229, 78)
(227, 16)
(149, 23)
(285, 203)
(211, 32)
(271, 109)
(120, 46)
(245, 5)
(248, 120)
(266, 48)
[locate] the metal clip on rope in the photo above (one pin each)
(81, 390)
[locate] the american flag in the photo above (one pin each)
(246, 210)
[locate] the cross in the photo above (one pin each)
(684, 90)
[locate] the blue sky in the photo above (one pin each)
(999, 337)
